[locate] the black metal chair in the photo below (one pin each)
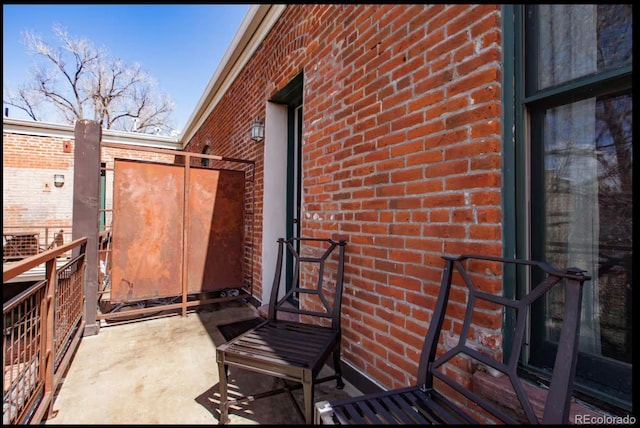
(293, 350)
(426, 402)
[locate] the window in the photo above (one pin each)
(572, 174)
(206, 150)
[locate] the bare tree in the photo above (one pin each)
(80, 81)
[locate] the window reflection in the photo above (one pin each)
(582, 40)
(588, 204)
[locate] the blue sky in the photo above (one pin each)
(179, 45)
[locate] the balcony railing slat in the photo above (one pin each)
(42, 326)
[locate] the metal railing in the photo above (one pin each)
(19, 242)
(42, 326)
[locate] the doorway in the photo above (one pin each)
(291, 97)
(294, 194)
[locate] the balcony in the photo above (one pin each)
(160, 369)
(164, 371)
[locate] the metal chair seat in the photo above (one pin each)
(406, 406)
(293, 350)
(421, 403)
(282, 347)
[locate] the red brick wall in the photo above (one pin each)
(29, 199)
(29, 196)
(401, 155)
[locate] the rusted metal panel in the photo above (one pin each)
(148, 202)
(215, 229)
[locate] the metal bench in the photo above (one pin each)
(293, 349)
(439, 397)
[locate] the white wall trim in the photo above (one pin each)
(274, 202)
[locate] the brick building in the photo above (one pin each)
(417, 130)
(414, 131)
(33, 153)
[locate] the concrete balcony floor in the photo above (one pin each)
(164, 371)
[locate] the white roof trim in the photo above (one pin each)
(55, 130)
(30, 127)
(253, 29)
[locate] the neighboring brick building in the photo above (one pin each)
(33, 153)
(29, 164)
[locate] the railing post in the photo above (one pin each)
(86, 197)
(48, 317)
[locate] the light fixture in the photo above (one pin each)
(257, 130)
(58, 180)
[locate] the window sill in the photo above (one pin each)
(491, 387)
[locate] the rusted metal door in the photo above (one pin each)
(167, 215)
(215, 229)
(147, 235)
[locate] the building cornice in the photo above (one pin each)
(54, 130)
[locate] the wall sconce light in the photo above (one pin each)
(257, 130)
(58, 180)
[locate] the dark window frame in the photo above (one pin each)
(523, 107)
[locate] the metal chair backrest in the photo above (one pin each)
(310, 256)
(476, 277)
